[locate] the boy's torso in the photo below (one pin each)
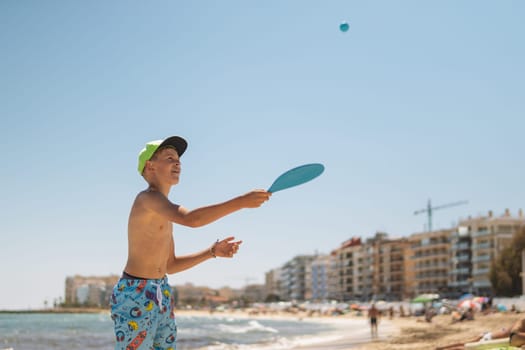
(149, 238)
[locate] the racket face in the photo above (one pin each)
(296, 176)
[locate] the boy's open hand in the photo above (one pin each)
(226, 248)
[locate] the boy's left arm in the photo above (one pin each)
(225, 249)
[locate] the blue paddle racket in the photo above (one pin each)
(296, 176)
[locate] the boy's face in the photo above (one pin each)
(166, 165)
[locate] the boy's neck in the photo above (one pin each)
(165, 190)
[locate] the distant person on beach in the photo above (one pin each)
(401, 311)
(430, 312)
(502, 333)
(142, 302)
(515, 333)
(373, 315)
(391, 312)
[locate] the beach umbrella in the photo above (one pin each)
(480, 300)
(425, 298)
(466, 296)
(381, 305)
(468, 303)
(342, 306)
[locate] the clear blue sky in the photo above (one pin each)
(417, 100)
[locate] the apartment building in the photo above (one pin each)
(376, 269)
(352, 283)
(189, 293)
(320, 274)
(294, 277)
(460, 270)
(92, 291)
(488, 236)
(448, 261)
(393, 277)
(272, 282)
(254, 293)
(431, 253)
(334, 289)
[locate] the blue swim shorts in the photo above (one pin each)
(142, 310)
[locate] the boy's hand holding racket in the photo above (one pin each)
(255, 198)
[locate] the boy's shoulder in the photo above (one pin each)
(149, 196)
(145, 201)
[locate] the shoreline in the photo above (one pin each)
(352, 332)
(400, 333)
(66, 310)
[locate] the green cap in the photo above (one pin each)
(147, 152)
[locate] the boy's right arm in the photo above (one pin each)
(157, 202)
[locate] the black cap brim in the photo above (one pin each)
(177, 142)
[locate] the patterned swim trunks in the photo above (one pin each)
(142, 310)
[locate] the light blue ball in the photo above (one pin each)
(344, 27)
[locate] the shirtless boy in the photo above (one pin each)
(141, 303)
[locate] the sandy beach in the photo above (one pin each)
(407, 333)
(413, 333)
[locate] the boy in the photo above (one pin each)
(141, 304)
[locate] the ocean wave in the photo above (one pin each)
(279, 343)
(252, 326)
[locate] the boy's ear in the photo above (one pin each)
(149, 165)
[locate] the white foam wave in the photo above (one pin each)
(252, 326)
(278, 344)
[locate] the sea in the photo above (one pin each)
(43, 331)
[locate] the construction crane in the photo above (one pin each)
(430, 208)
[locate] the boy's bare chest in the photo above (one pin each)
(160, 226)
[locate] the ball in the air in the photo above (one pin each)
(344, 27)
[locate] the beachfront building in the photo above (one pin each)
(293, 281)
(89, 291)
(272, 283)
(393, 273)
(378, 269)
(254, 293)
(449, 262)
(190, 294)
(489, 235)
(431, 256)
(320, 272)
(354, 273)
(460, 271)
(229, 293)
(333, 284)
(308, 279)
